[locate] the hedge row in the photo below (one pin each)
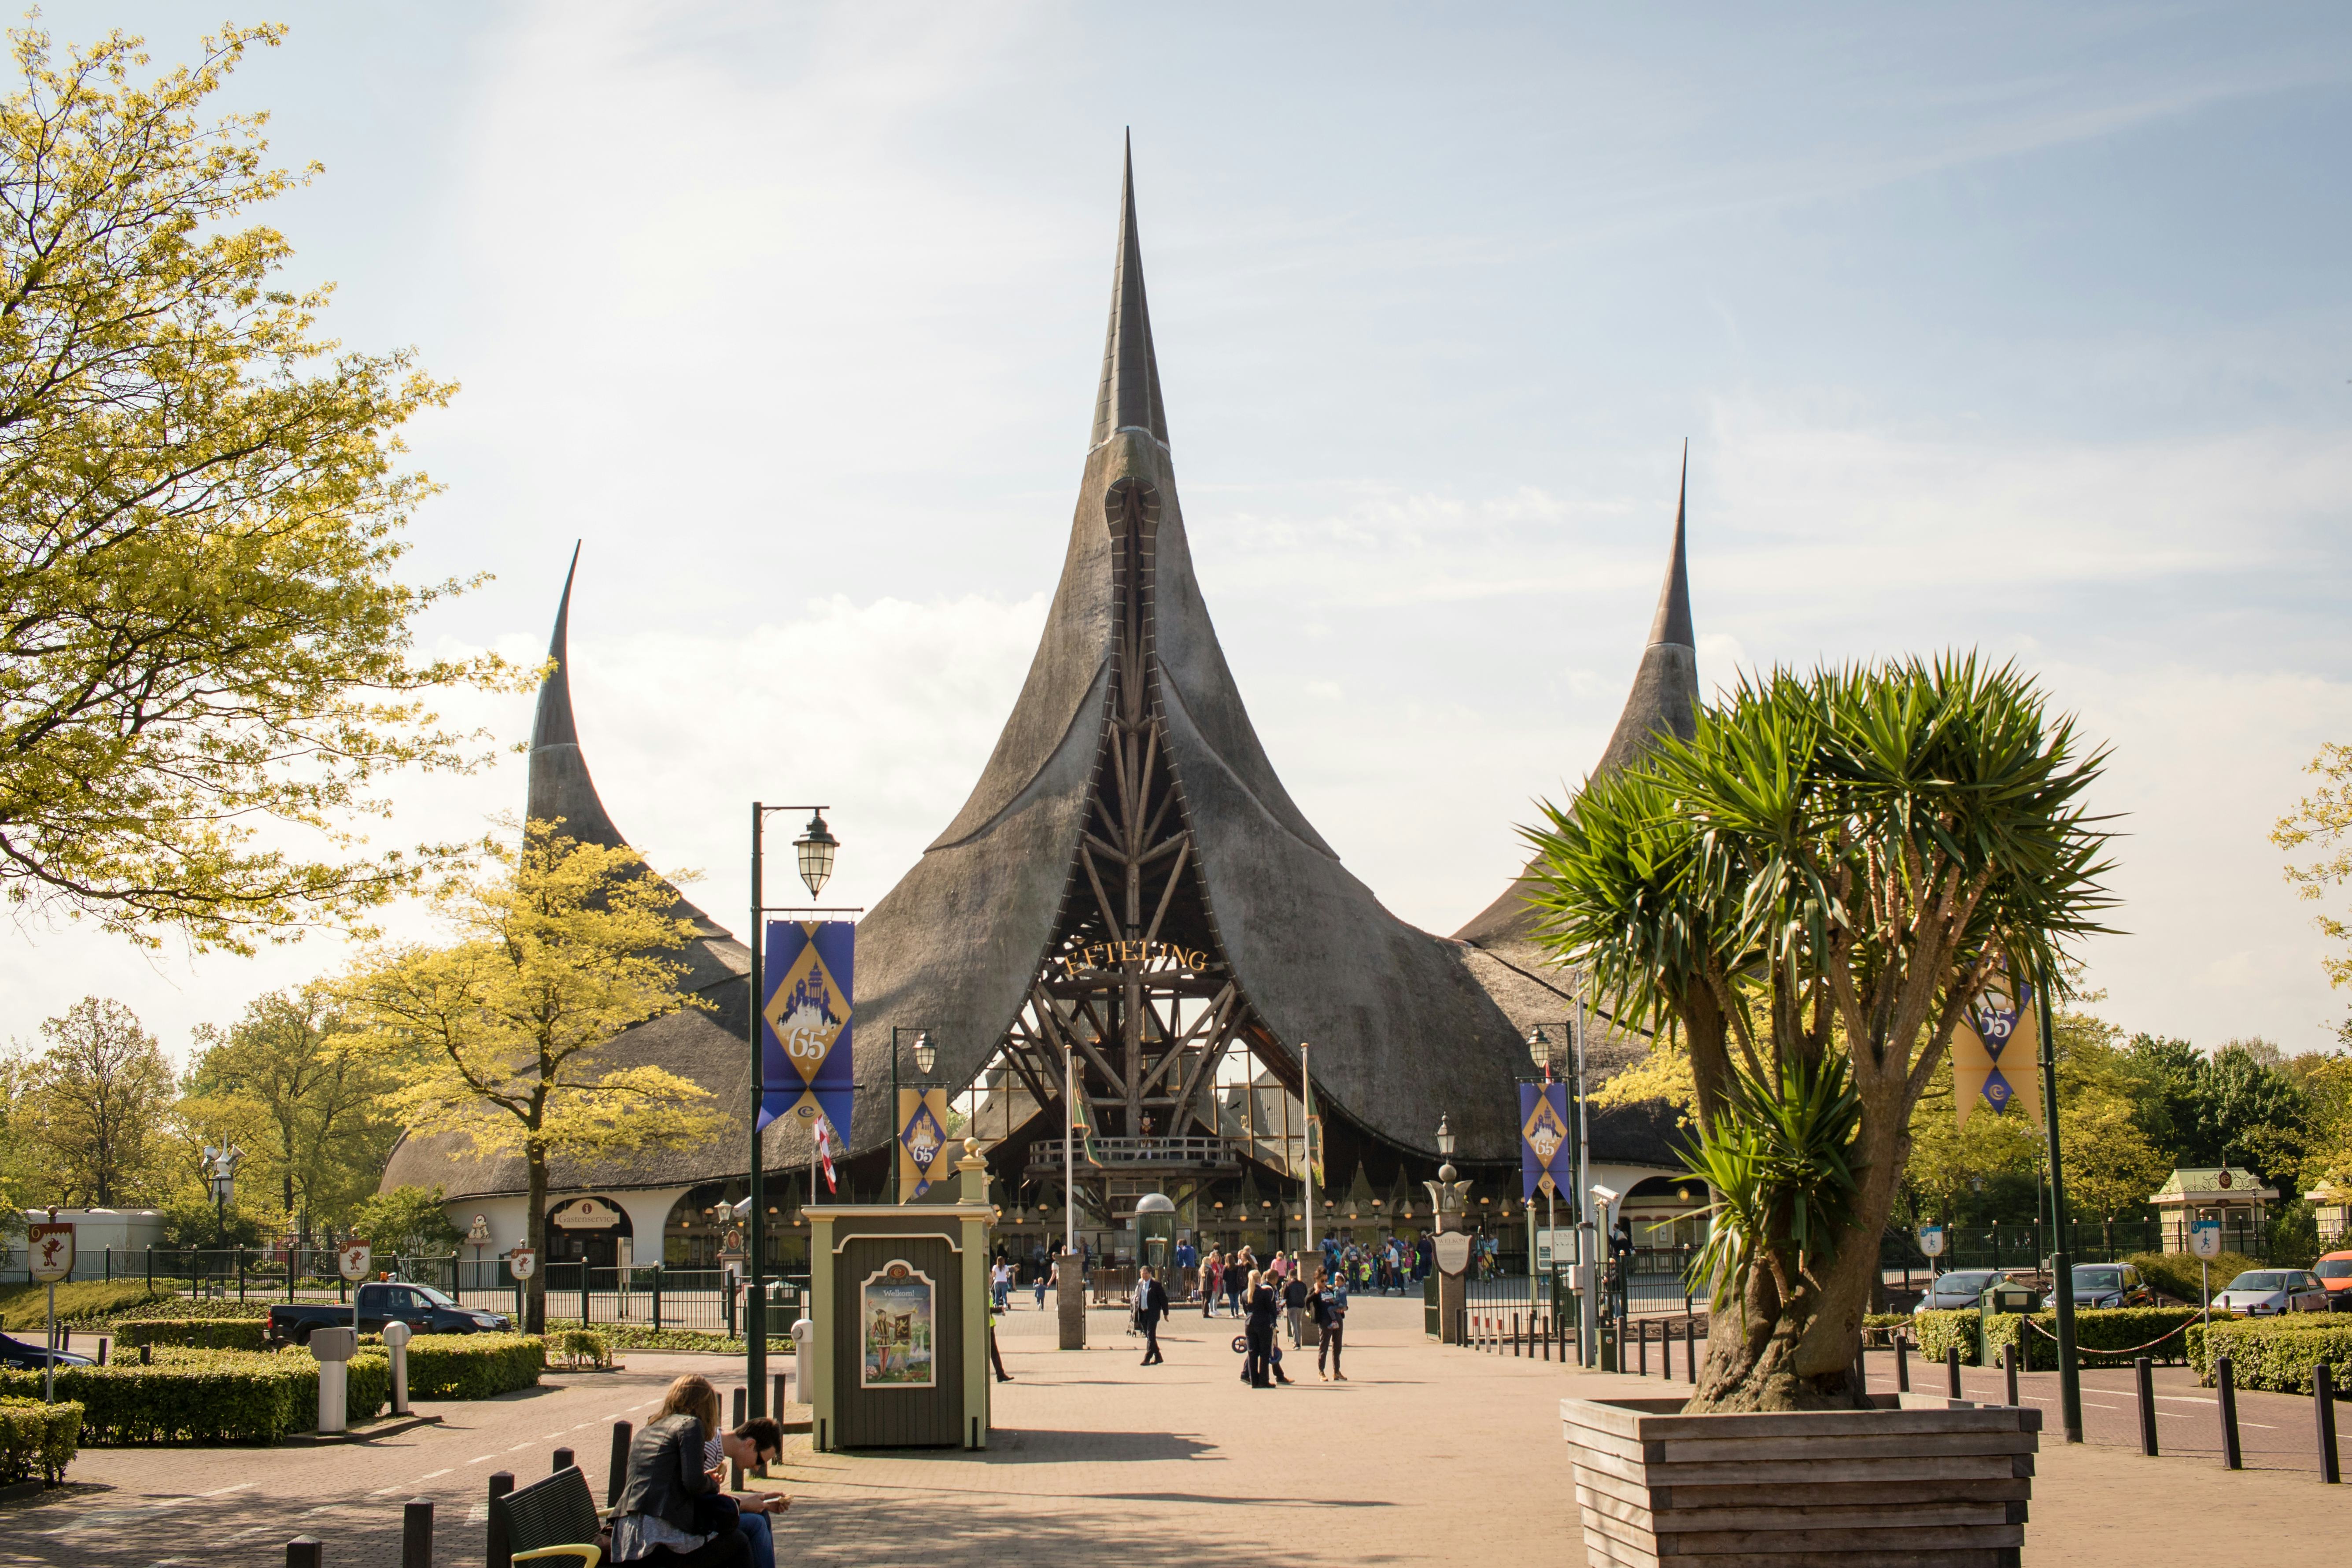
(205, 1396)
(640, 1337)
(2102, 1338)
(185, 1308)
(37, 1436)
(2277, 1353)
(473, 1367)
(198, 1334)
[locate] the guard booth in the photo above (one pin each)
(898, 1313)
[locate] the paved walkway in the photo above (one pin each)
(1425, 1456)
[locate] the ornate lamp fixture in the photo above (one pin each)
(815, 848)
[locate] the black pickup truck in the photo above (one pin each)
(421, 1307)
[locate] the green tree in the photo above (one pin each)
(95, 1107)
(2250, 1112)
(312, 1114)
(2160, 1075)
(503, 1035)
(407, 1221)
(201, 501)
(1816, 889)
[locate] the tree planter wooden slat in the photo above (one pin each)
(1919, 1482)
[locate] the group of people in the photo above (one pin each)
(1262, 1297)
(675, 1510)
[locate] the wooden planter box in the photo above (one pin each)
(1927, 1483)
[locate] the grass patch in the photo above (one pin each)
(84, 1303)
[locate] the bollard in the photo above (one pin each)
(1952, 1368)
(2009, 1365)
(2323, 1407)
(735, 1467)
(1547, 1341)
(65, 1337)
(563, 1461)
(2225, 1384)
(1666, 1351)
(498, 1555)
(784, 1381)
(1515, 1336)
(1642, 1351)
(622, 1432)
(102, 1353)
(2147, 1389)
(302, 1553)
(1902, 1365)
(741, 1398)
(417, 1534)
(396, 1335)
(146, 1354)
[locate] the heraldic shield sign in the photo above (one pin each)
(1546, 1161)
(806, 1068)
(922, 1140)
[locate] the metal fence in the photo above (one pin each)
(2026, 1245)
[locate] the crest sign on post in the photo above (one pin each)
(1453, 1252)
(352, 1259)
(807, 1067)
(49, 1252)
(1546, 1161)
(523, 1261)
(1995, 1053)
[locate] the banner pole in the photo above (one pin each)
(2061, 1266)
(755, 1331)
(1069, 1156)
(1307, 1111)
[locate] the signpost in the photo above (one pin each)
(1931, 1242)
(2205, 1241)
(351, 1261)
(49, 1254)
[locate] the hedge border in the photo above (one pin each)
(205, 1397)
(36, 1435)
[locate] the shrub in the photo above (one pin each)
(205, 1396)
(184, 1307)
(37, 1436)
(2106, 1337)
(473, 1367)
(582, 1344)
(639, 1337)
(1937, 1330)
(2175, 1273)
(198, 1334)
(2277, 1353)
(80, 1302)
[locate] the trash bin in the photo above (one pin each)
(1608, 1342)
(2001, 1295)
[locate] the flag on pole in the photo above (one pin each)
(1082, 1127)
(1314, 1122)
(1544, 1140)
(825, 1152)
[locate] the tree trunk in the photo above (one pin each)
(534, 1290)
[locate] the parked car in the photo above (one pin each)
(421, 1307)
(16, 1353)
(2335, 1271)
(2261, 1293)
(2111, 1285)
(1957, 1290)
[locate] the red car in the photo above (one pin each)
(2335, 1271)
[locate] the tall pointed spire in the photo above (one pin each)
(553, 726)
(1129, 397)
(1663, 701)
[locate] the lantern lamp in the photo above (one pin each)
(816, 847)
(927, 1055)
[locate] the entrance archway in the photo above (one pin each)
(588, 1230)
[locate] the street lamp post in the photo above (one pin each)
(220, 1167)
(814, 850)
(1447, 1196)
(925, 1056)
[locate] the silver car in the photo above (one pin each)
(2263, 1293)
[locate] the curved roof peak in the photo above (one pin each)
(552, 725)
(1673, 622)
(1129, 396)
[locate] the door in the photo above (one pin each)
(881, 1414)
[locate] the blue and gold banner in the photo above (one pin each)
(806, 1065)
(923, 1141)
(1546, 1161)
(1996, 1053)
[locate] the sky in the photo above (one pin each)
(2018, 328)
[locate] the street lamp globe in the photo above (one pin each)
(816, 847)
(927, 1055)
(1444, 1140)
(1537, 1051)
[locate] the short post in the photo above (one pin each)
(1690, 1349)
(2323, 1407)
(2146, 1380)
(497, 1554)
(334, 1349)
(417, 1534)
(1952, 1368)
(2009, 1365)
(658, 1274)
(2225, 1383)
(395, 1343)
(783, 1389)
(146, 1354)
(563, 1461)
(622, 1432)
(102, 1353)
(1902, 1365)
(1070, 1301)
(302, 1553)
(1515, 1336)
(1641, 1354)
(1666, 1351)
(735, 1468)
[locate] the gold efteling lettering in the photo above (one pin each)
(1106, 954)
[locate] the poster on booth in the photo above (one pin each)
(897, 1314)
(352, 1259)
(49, 1252)
(807, 1070)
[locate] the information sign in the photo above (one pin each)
(352, 1259)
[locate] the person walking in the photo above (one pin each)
(1294, 1305)
(1212, 1282)
(1150, 1306)
(1331, 1317)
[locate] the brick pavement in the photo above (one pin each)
(1426, 1455)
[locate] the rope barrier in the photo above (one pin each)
(2101, 1350)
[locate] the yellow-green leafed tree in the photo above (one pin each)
(2318, 826)
(201, 501)
(503, 1035)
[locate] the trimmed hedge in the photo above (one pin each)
(639, 1337)
(2277, 1353)
(473, 1367)
(1936, 1331)
(186, 1308)
(37, 1436)
(196, 1333)
(2103, 1337)
(205, 1396)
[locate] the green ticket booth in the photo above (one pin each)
(898, 1313)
